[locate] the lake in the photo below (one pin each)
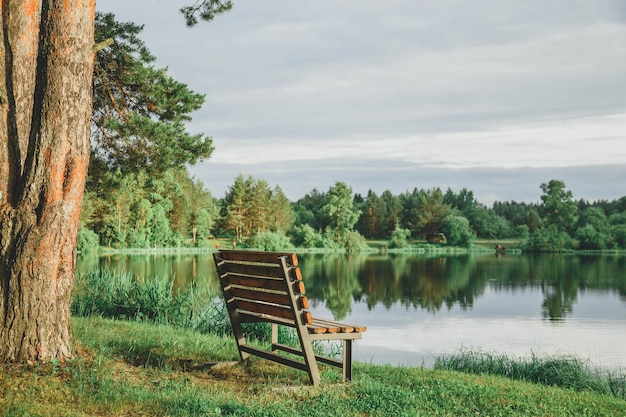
(417, 307)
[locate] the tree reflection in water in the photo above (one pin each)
(432, 282)
(414, 281)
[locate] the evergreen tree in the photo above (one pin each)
(431, 212)
(372, 216)
(237, 206)
(281, 214)
(393, 209)
(139, 112)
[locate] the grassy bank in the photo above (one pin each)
(128, 368)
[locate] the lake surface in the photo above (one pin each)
(417, 307)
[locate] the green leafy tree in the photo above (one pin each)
(308, 210)
(617, 224)
(339, 210)
(558, 206)
(486, 223)
(533, 220)
(593, 231)
(458, 231)
(250, 208)
(559, 212)
(547, 239)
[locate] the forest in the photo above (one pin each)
(139, 193)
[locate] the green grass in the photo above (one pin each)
(124, 368)
(561, 371)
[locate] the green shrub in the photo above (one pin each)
(399, 238)
(304, 236)
(271, 241)
(88, 241)
(547, 239)
(458, 232)
(354, 242)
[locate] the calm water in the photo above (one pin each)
(417, 307)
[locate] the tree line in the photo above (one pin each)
(173, 210)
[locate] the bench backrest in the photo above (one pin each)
(263, 286)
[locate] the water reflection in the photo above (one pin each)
(429, 283)
(432, 283)
(182, 269)
(417, 307)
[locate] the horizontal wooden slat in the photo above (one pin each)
(249, 317)
(254, 282)
(267, 309)
(303, 303)
(296, 351)
(256, 256)
(274, 357)
(344, 328)
(259, 270)
(264, 296)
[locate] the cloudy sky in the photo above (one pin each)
(497, 96)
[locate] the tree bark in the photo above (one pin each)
(46, 67)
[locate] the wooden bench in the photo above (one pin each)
(268, 287)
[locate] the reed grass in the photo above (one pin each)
(122, 296)
(153, 299)
(562, 371)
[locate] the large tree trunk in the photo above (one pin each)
(46, 67)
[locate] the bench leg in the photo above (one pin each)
(274, 336)
(347, 360)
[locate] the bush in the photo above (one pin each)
(590, 238)
(458, 232)
(88, 242)
(271, 241)
(547, 240)
(354, 242)
(304, 236)
(399, 238)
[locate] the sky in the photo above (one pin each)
(496, 96)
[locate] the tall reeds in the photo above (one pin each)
(562, 371)
(122, 296)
